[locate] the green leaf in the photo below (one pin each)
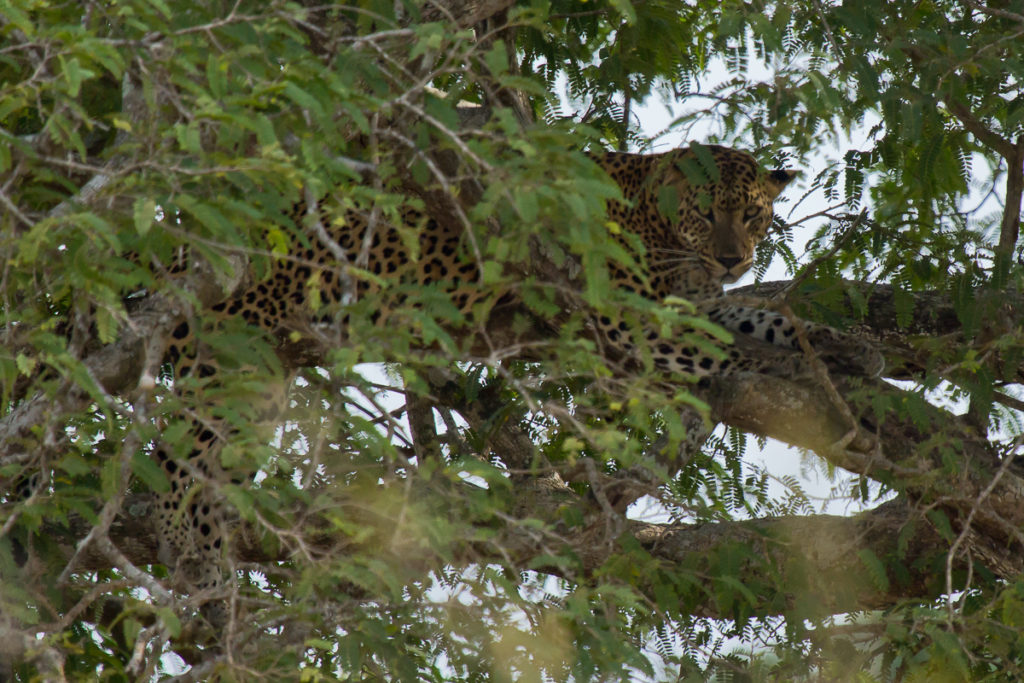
(209, 215)
(144, 214)
(16, 17)
(75, 465)
(241, 500)
(106, 325)
(497, 58)
(903, 304)
(941, 523)
(492, 272)
(110, 478)
(668, 203)
(304, 99)
(715, 330)
(150, 473)
(876, 569)
(73, 76)
(26, 365)
(625, 8)
(949, 648)
(707, 162)
(216, 71)
(169, 620)
(526, 204)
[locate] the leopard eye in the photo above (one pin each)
(751, 213)
(708, 214)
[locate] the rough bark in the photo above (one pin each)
(466, 13)
(1009, 231)
(817, 558)
(979, 490)
(931, 313)
(805, 413)
(915, 336)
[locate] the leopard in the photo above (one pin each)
(698, 212)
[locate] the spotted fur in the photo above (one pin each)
(699, 214)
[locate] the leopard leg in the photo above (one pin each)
(191, 517)
(839, 350)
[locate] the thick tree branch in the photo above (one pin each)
(932, 315)
(953, 475)
(817, 558)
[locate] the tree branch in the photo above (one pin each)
(901, 450)
(120, 365)
(973, 125)
(931, 314)
(1010, 227)
(816, 558)
(465, 13)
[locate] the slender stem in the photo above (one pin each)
(626, 106)
(1010, 229)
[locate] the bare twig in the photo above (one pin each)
(966, 531)
(995, 11)
(809, 269)
(828, 30)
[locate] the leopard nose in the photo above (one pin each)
(729, 261)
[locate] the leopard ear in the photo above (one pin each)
(778, 179)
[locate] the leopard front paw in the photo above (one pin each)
(848, 354)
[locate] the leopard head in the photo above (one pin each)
(724, 209)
